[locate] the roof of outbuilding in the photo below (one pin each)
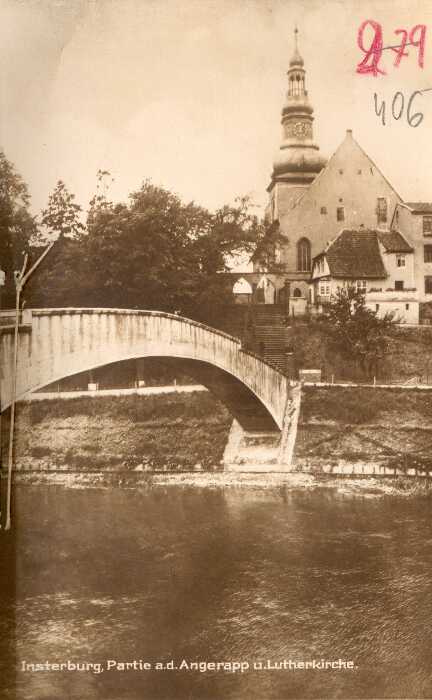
(394, 242)
(420, 207)
(356, 254)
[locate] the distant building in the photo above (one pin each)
(414, 221)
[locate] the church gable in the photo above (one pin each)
(350, 192)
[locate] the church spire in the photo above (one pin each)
(296, 59)
(298, 160)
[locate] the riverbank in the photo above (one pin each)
(172, 431)
(345, 430)
(281, 482)
(365, 428)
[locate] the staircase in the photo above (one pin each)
(269, 334)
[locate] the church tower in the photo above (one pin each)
(298, 160)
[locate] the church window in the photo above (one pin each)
(427, 225)
(381, 210)
(323, 210)
(428, 253)
(303, 255)
(340, 214)
(400, 259)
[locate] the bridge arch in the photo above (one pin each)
(57, 343)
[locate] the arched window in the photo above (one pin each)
(303, 255)
(242, 286)
(297, 292)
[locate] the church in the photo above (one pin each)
(311, 202)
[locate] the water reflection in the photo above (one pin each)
(222, 576)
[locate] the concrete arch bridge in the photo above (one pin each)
(57, 343)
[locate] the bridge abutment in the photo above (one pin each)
(264, 451)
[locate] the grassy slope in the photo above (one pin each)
(178, 431)
(410, 354)
(386, 426)
(163, 432)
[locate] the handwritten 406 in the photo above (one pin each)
(371, 43)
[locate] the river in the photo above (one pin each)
(216, 575)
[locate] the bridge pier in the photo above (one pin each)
(264, 451)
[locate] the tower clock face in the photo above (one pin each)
(300, 129)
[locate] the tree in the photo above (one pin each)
(270, 240)
(356, 332)
(153, 252)
(157, 252)
(62, 213)
(17, 225)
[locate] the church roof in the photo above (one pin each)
(394, 242)
(420, 207)
(355, 254)
(348, 139)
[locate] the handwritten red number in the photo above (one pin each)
(400, 50)
(370, 63)
(420, 43)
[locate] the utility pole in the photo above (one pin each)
(21, 277)
(2, 283)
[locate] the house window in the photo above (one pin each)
(406, 307)
(324, 289)
(399, 285)
(381, 210)
(428, 253)
(323, 210)
(428, 285)
(427, 225)
(303, 255)
(361, 286)
(400, 260)
(376, 307)
(340, 214)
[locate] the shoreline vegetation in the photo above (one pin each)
(178, 439)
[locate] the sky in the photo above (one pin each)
(188, 93)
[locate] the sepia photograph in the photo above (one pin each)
(215, 349)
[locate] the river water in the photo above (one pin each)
(223, 575)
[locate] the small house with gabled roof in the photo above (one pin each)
(379, 263)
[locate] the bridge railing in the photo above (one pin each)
(7, 318)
